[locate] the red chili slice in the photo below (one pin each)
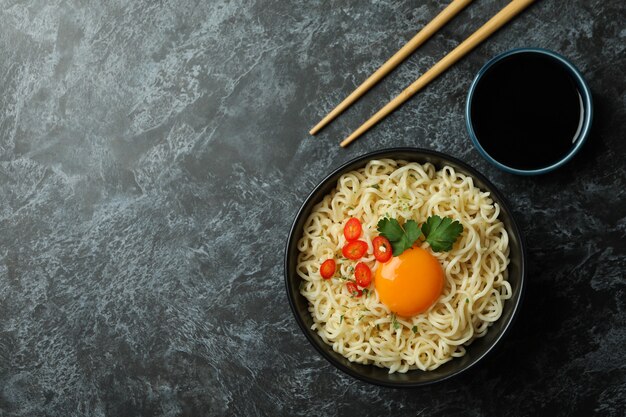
(327, 270)
(354, 290)
(352, 230)
(382, 249)
(354, 250)
(363, 274)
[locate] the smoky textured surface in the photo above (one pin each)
(154, 154)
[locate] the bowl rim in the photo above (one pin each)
(386, 153)
(583, 89)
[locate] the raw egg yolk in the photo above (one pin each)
(410, 283)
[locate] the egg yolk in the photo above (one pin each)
(410, 283)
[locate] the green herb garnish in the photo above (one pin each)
(414, 328)
(341, 319)
(400, 237)
(396, 324)
(441, 233)
(375, 186)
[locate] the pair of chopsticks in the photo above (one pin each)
(496, 22)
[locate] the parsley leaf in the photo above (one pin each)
(414, 328)
(400, 237)
(441, 233)
(341, 319)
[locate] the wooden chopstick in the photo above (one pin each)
(427, 31)
(495, 23)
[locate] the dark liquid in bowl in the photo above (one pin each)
(527, 111)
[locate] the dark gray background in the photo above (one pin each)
(153, 155)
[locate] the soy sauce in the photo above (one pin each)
(527, 111)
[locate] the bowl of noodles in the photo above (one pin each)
(363, 329)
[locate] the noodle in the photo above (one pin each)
(363, 329)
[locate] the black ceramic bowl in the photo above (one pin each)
(479, 348)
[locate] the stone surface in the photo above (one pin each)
(154, 154)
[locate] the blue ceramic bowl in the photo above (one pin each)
(587, 104)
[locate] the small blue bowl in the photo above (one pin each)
(584, 128)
